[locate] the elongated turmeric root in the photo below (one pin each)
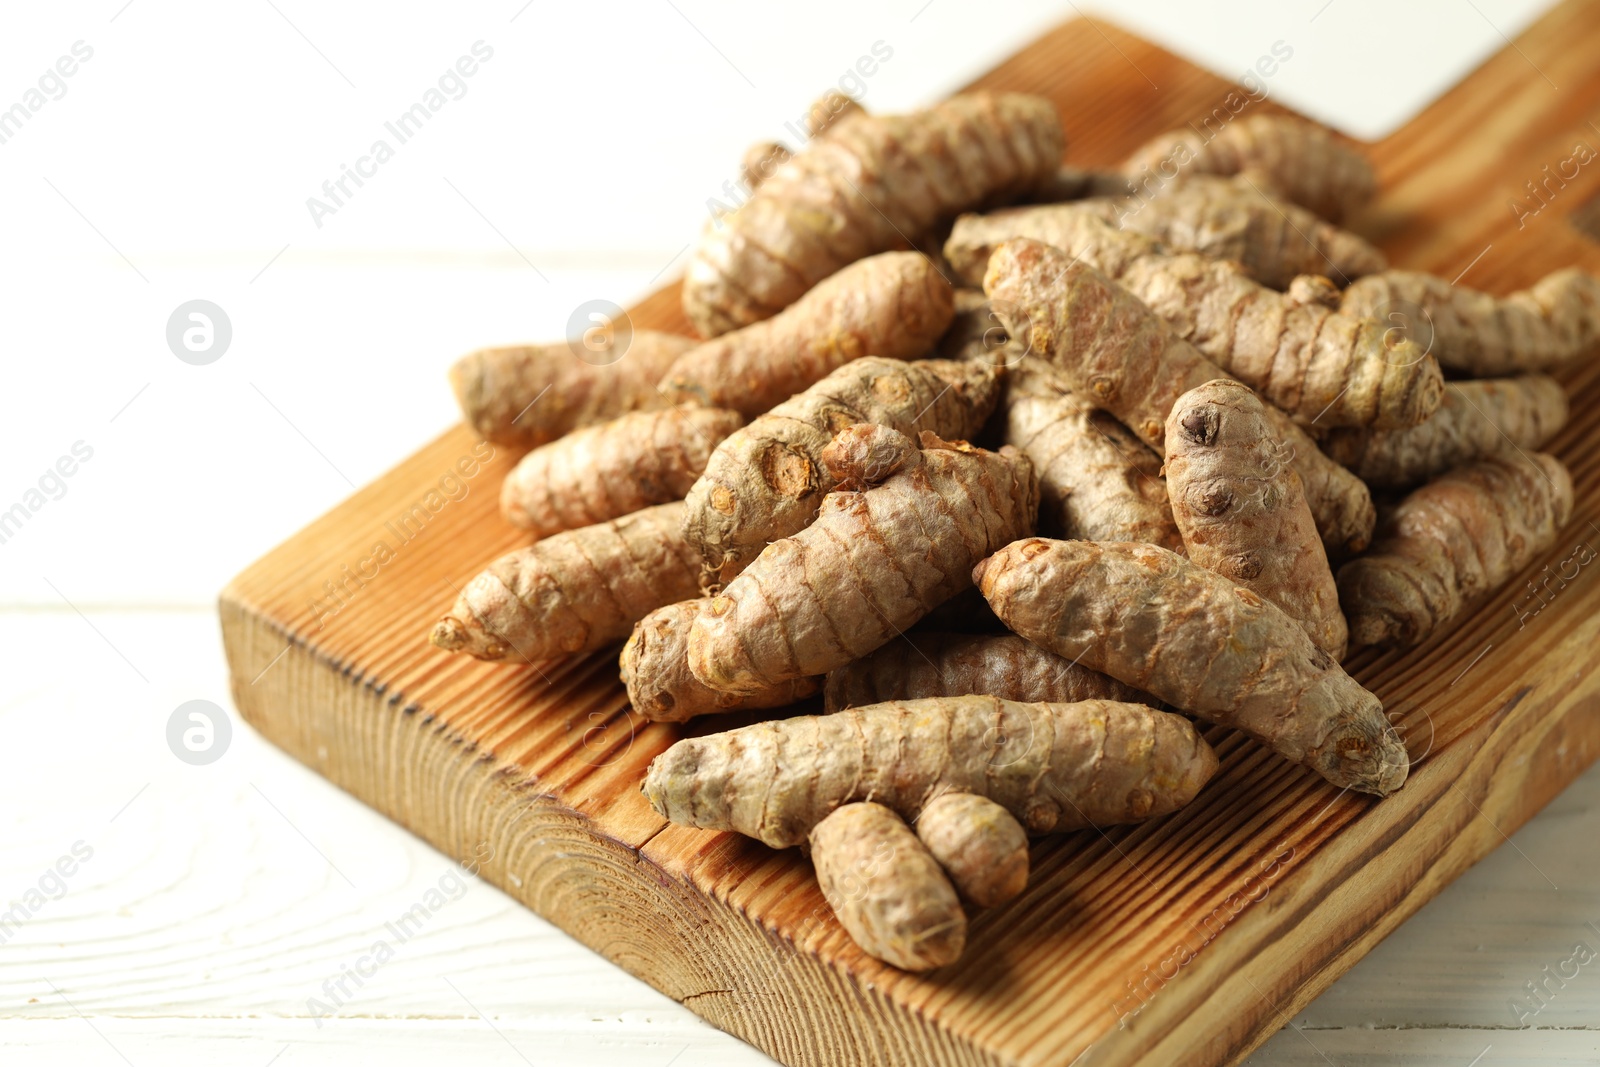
(980, 845)
(1476, 419)
(1234, 218)
(1456, 538)
(767, 481)
(924, 664)
(574, 592)
(1304, 162)
(1054, 767)
(607, 471)
(900, 539)
(895, 306)
(1097, 481)
(1194, 639)
(1240, 507)
(1320, 366)
(531, 394)
(655, 670)
(1117, 351)
(864, 184)
(1485, 336)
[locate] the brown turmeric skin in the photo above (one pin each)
(1476, 419)
(1240, 507)
(574, 592)
(1303, 162)
(1458, 537)
(1203, 644)
(609, 470)
(767, 481)
(894, 305)
(980, 845)
(1319, 365)
(899, 538)
(864, 184)
(927, 664)
(530, 394)
(1483, 336)
(1113, 349)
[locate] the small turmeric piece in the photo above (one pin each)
(1233, 218)
(528, 395)
(1476, 419)
(1118, 352)
(1484, 336)
(899, 538)
(1302, 161)
(767, 480)
(1189, 636)
(574, 592)
(1458, 537)
(862, 186)
(894, 305)
(1097, 481)
(1319, 365)
(655, 670)
(980, 845)
(924, 664)
(609, 470)
(1239, 505)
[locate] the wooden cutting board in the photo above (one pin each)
(1188, 941)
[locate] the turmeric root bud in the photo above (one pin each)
(979, 844)
(887, 889)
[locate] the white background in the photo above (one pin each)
(578, 164)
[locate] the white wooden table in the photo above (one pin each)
(208, 906)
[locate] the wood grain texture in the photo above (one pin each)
(1188, 941)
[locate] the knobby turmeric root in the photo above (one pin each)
(1116, 351)
(864, 184)
(1191, 637)
(1241, 510)
(531, 394)
(1476, 419)
(895, 305)
(1097, 481)
(1319, 365)
(900, 538)
(655, 670)
(1485, 336)
(1302, 161)
(607, 471)
(924, 664)
(1233, 218)
(767, 481)
(574, 592)
(1458, 537)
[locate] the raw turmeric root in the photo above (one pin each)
(1302, 161)
(1241, 510)
(530, 394)
(574, 592)
(900, 538)
(980, 845)
(926, 664)
(1485, 336)
(1457, 537)
(1476, 419)
(864, 185)
(887, 889)
(655, 670)
(607, 471)
(895, 305)
(1191, 637)
(767, 480)
(1097, 481)
(1233, 218)
(1117, 351)
(977, 334)
(1054, 767)
(1319, 365)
